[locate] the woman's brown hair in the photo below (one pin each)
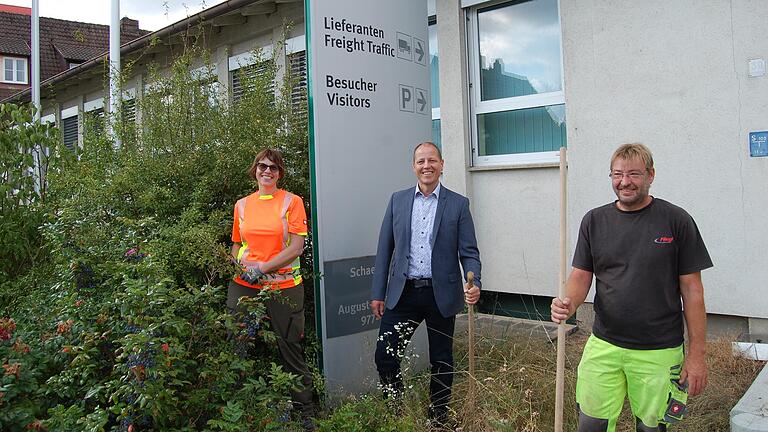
(269, 153)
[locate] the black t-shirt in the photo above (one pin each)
(636, 258)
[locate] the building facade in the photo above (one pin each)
(63, 45)
(512, 82)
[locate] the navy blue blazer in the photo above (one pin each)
(453, 241)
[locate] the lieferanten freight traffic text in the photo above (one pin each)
(353, 44)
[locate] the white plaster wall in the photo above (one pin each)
(515, 210)
(95, 95)
(257, 42)
(673, 75)
(516, 214)
(454, 98)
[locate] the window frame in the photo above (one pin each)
(15, 70)
(435, 114)
(479, 107)
(432, 21)
(246, 60)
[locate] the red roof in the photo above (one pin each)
(61, 41)
(15, 9)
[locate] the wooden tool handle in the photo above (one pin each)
(560, 373)
(471, 342)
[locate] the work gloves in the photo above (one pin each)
(253, 275)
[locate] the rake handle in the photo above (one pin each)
(471, 343)
(560, 372)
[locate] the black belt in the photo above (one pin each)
(418, 283)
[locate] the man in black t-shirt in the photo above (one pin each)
(647, 256)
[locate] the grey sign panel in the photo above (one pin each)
(347, 296)
(362, 149)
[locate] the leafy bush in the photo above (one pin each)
(126, 328)
(21, 202)
(370, 414)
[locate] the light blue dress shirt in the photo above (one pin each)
(422, 222)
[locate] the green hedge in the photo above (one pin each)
(113, 277)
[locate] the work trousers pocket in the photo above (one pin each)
(286, 312)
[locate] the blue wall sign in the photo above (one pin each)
(758, 144)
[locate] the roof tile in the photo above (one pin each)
(60, 40)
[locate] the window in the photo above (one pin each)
(251, 69)
(129, 110)
(434, 79)
(209, 87)
(518, 103)
(247, 77)
(93, 117)
(297, 67)
(15, 70)
(69, 132)
(96, 122)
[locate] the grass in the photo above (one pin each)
(515, 382)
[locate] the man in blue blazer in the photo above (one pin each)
(426, 233)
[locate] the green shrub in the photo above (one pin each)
(126, 328)
(22, 208)
(370, 414)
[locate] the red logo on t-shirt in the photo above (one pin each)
(664, 240)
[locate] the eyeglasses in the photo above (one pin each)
(265, 167)
(633, 175)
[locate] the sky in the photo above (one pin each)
(152, 14)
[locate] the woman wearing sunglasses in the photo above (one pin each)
(268, 234)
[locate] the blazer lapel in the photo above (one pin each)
(408, 216)
(441, 201)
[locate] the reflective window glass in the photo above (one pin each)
(434, 66)
(21, 71)
(521, 131)
(436, 133)
(519, 46)
(8, 69)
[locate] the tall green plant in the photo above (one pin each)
(133, 321)
(28, 150)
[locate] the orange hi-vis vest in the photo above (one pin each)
(263, 224)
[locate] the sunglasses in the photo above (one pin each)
(264, 167)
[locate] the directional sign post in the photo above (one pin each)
(366, 115)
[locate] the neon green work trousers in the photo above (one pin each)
(649, 378)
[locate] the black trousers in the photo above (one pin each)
(287, 318)
(397, 328)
